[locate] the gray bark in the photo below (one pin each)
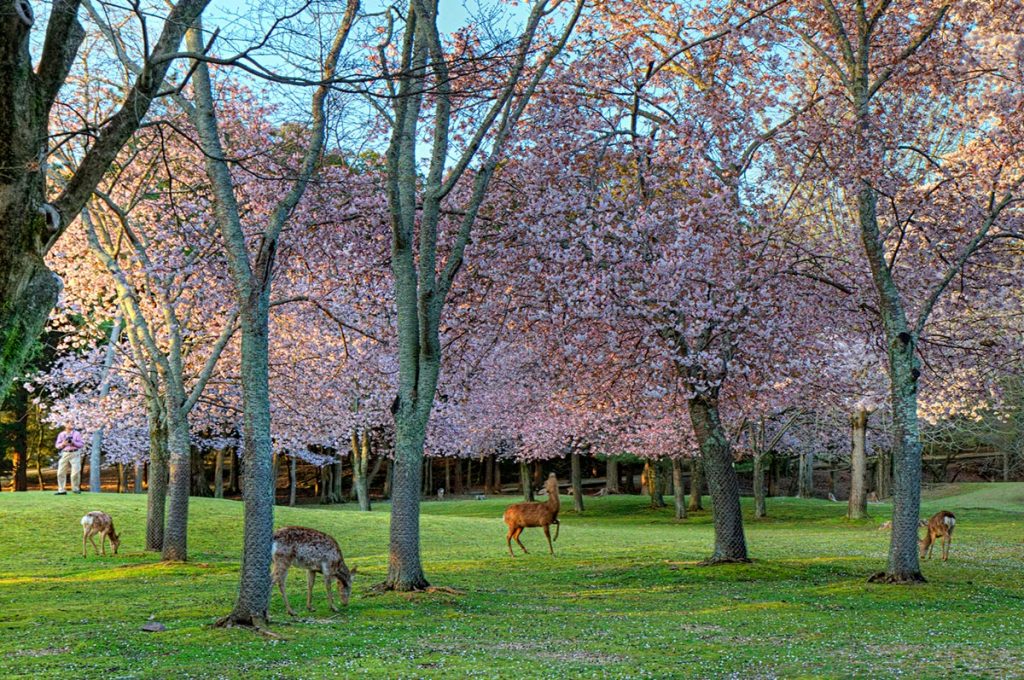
(612, 475)
(95, 453)
(360, 469)
(156, 500)
(679, 488)
(723, 484)
(805, 487)
(858, 504)
(218, 474)
(696, 483)
(292, 481)
(140, 470)
(179, 484)
(525, 481)
(760, 507)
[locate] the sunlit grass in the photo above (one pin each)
(623, 596)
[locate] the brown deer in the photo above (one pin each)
(97, 522)
(522, 515)
(316, 552)
(941, 525)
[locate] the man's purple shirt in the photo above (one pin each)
(72, 440)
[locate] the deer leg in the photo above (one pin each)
(327, 586)
(92, 539)
(310, 578)
(547, 532)
(280, 576)
(85, 534)
(508, 539)
(103, 543)
(518, 532)
(946, 540)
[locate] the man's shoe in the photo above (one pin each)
(61, 493)
(76, 492)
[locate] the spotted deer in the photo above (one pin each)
(941, 525)
(97, 522)
(317, 553)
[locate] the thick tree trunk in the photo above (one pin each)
(679, 488)
(405, 571)
(218, 474)
(496, 489)
(577, 483)
(525, 481)
(696, 484)
(19, 404)
(257, 475)
(903, 566)
(156, 500)
(760, 507)
(611, 482)
(653, 474)
(179, 483)
(858, 505)
(723, 484)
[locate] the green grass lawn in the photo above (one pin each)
(624, 596)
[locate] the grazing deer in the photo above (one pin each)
(941, 525)
(97, 522)
(522, 515)
(316, 552)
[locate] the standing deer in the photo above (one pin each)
(522, 515)
(941, 525)
(316, 552)
(97, 522)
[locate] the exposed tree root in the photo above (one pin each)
(902, 579)
(714, 561)
(256, 624)
(385, 587)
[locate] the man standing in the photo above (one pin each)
(69, 444)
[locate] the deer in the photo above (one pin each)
(317, 553)
(97, 522)
(941, 525)
(522, 515)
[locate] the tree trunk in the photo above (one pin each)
(200, 484)
(488, 474)
(156, 499)
(653, 474)
(611, 482)
(678, 488)
(233, 473)
(293, 482)
(258, 484)
(179, 482)
(338, 479)
(140, 470)
(457, 487)
(405, 572)
(387, 478)
(805, 488)
(218, 474)
(696, 483)
(723, 484)
(760, 507)
(525, 481)
(95, 453)
(360, 466)
(496, 490)
(122, 478)
(858, 504)
(577, 483)
(19, 440)
(883, 474)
